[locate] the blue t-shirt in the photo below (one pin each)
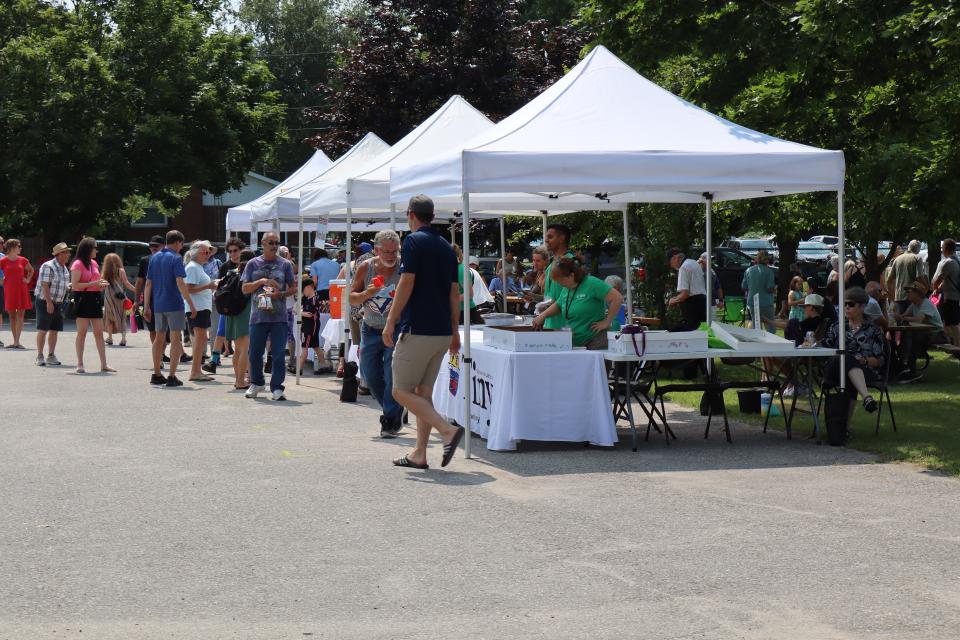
(2, 256)
(428, 256)
(277, 269)
(323, 271)
(165, 267)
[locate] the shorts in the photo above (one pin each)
(202, 321)
(48, 321)
(950, 312)
(90, 304)
(169, 321)
(417, 360)
(309, 334)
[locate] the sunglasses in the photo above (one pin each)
(850, 305)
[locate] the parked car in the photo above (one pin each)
(751, 246)
(830, 241)
(813, 251)
(130, 252)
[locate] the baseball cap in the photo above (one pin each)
(813, 300)
(365, 247)
(474, 260)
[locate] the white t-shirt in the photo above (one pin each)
(949, 270)
(691, 277)
(197, 276)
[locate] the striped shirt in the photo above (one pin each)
(57, 276)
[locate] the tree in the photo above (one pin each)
(123, 102)
(409, 56)
(876, 80)
(298, 40)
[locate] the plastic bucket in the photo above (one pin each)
(749, 400)
(337, 288)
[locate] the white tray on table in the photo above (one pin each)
(744, 340)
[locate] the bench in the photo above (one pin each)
(953, 350)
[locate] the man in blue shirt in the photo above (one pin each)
(427, 309)
(163, 297)
(323, 270)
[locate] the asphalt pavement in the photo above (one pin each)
(131, 511)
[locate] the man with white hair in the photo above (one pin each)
(373, 289)
(904, 272)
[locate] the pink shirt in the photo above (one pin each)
(88, 275)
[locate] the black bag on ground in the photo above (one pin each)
(229, 298)
(348, 392)
(837, 412)
(711, 402)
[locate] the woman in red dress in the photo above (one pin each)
(16, 295)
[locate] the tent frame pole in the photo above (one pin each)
(393, 216)
(628, 316)
(503, 264)
(348, 276)
(841, 316)
(466, 378)
(297, 310)
(708, 267)
(545, 214)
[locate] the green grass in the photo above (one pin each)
(927, 413)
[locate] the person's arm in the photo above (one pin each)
(45, 288)
(185, 292)
(400, 300)
(613, 299)
(126, 281)
(552, 310)
(359, 294)
(28, 273)
(455, 318)
(147, 291)
(680, 297)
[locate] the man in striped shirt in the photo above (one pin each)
(48, 296)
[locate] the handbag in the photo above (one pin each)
(632, 330)
(69, 309)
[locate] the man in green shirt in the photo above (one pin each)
(759, 281)
(558, 244)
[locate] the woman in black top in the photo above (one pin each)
(864, 349)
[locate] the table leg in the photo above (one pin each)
(813, 409)
(628, 399)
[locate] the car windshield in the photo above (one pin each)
(756, 244)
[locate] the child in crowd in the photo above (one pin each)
(795, 299)
(311, 310)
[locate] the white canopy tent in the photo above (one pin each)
(605, 134)
(239, 218)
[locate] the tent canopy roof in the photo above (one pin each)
(603, 129)
(313, 167)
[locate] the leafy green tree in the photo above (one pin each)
(121, 101)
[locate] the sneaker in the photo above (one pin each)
(157, 379)
(40, 361)
(869, 404)
(166, 358)
(254, 390)
(278, 394)
(52, 361)
(363, 391)
(789, 391)
(209, 367)
(184, 358)
(174, 381)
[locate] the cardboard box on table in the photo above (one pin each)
(525, 339)
(658, 342)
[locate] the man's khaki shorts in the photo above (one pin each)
(417, 360)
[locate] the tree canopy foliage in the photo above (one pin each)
(110, 104)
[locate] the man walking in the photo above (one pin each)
(691, 289)
(427, 308)
(759, 282)
(947, 281)
(373, 289)
(904, 272)
(48, 297)
(269, 280)
(163, 304)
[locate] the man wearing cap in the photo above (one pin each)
(759, 282)
(912, 344)
(691, 289)
(48, 296)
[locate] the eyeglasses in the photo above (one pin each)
(271, 243)
(849, 305)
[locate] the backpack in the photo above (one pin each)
(229, 298)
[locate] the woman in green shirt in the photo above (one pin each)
(586, 304)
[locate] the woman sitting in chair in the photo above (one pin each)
(587, 304)
(864, 349)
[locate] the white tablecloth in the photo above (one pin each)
(331, 333)
(530, 396)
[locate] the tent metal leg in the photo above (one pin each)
(465, 379)
(842, 249)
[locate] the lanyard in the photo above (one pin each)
(570, 297)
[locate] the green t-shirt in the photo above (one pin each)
(581, 307)
(553, 291)
(473, 305)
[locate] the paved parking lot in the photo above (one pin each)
(138, 512)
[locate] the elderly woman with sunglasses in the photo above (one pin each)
(864, 349)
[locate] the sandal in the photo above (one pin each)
(123, 342)
(109, 341)
(869, 404)
(451, 447)
(80, 370)
(243, 388)
(201, 379)
(107, 370)
(404, 461)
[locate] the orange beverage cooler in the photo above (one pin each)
(337, 288)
